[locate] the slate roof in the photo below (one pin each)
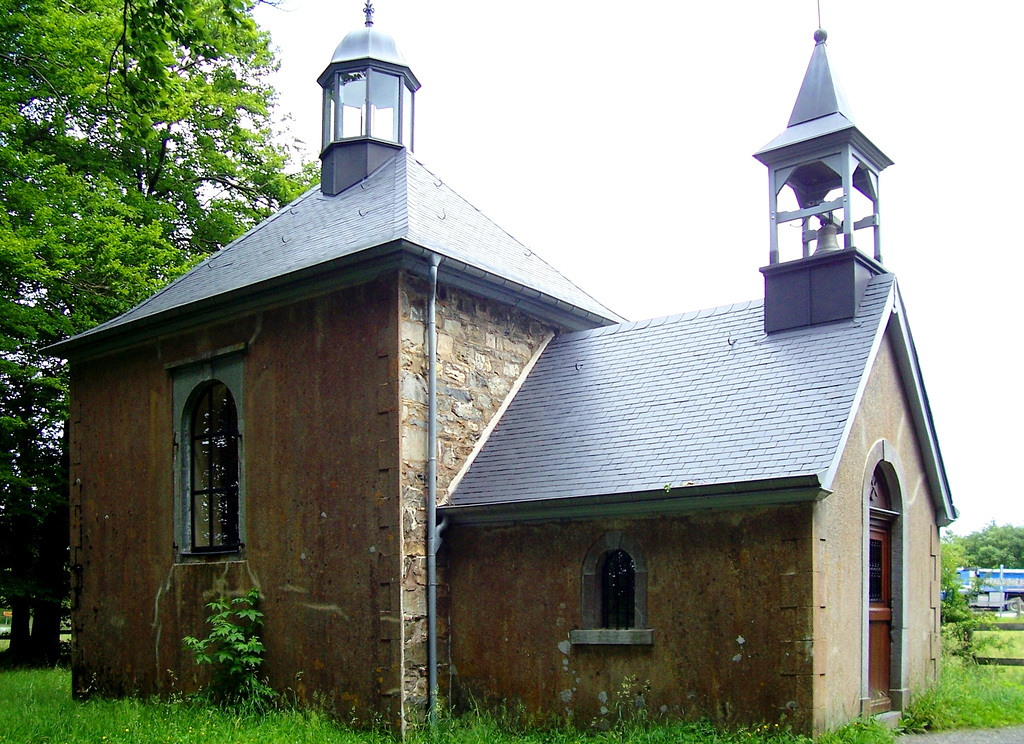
(400, 201)
(698, 399)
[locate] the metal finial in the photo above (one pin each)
(820, 35)
(368, 10)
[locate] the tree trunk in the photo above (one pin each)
(53, 583)
(20, 648)
(45, 644)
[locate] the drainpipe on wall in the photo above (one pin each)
(432, 529)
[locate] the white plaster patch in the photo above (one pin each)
(565, 647)
(740, 640)
(412, 333)
(738, 657)
(414, 444)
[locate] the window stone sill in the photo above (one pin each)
(612, 637)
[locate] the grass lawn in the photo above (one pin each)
(1007, 643)
(970, 696)
(36, 708)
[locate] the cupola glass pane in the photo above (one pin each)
(384, 91)
(352, 121)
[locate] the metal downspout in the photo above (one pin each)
(432, 531)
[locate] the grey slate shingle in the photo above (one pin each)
(633, 407)
(402, 199)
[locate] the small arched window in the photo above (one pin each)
(614, 594)
(618, 590)
(213, 470)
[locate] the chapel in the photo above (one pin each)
(453, 474)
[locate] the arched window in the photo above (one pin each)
(213, 470)
(614, 594)
(618, 590)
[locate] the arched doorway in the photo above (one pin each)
(880, 609)
(883, 680)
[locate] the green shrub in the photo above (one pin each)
(958, 622)
(235, 652)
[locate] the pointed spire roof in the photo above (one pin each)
(821, 110)
(820, 93)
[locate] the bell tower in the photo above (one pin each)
(369, 103)
(826, 161)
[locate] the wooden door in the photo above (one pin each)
(879, 617)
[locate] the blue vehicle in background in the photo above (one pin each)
(996, 589)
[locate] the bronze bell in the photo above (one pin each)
(827, 238)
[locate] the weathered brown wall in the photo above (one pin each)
(322, 502)
(728, 598)
(483, 346)
(840, 520)
(122, 518)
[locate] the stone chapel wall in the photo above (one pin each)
(483, 346)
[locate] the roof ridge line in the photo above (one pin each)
(878, 337)
(400, 225)
(485, 435)
(529, 251)
(218, 254)
(664, 319)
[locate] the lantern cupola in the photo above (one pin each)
(368, 105)
(832, 169)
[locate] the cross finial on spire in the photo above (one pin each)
(368, 10)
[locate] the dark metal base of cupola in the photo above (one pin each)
(820, 288)
(344, 164)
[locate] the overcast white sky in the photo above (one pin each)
(615, 139)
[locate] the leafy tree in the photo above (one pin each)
(135, 138)
(994, 546)
(958, 622)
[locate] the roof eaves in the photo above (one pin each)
(458, 273)
(680, 500)
(356, 268)
(596, 309)
(100, 329)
